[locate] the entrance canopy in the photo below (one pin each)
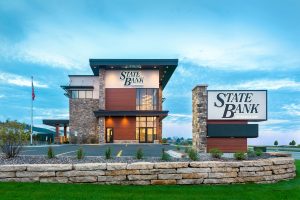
(56, 122)
(134, 113)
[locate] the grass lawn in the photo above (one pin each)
(281, 190)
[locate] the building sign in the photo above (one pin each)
(132, 79)
(237, 105)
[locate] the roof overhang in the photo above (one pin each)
(166, 67)
(55, 122)
(134, 113)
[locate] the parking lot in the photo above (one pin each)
(151, 150)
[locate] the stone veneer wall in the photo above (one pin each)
(210, 172)
(101, 120)
(199, 103)
(83, 120)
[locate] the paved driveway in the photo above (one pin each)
(153, 150)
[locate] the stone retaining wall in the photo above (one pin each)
(144, 173)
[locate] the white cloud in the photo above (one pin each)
(269, 84)
(14, 79)
(178, 129)
(292, 109)
(2, 96)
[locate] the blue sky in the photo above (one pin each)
(228, 45)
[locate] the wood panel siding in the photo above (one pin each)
(123, 127)
(120, 99)
(228, 145)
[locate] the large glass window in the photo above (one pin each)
(146, 99)
(146, 129)
(81, 94)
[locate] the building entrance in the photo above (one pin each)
(146, 135)
(109, 136)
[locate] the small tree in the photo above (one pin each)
(12, 137)
(276, 143)
(108, 153)
(80, 153)
(293, 143)
(139, 154)
(50, 153)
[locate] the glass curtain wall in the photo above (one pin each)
(146, 99)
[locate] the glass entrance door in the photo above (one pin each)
(143, 135)
(109, 136)
(146, 135)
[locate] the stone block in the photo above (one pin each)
(54, 180)
(136, 182)
(195, 175)
(169, 176)
(48, 167)
(83, 179)
(7, 174)
(11, 168)
(80, 173)
(163, 182)
(283, 161)
(190, 181)
(251, 169)
(122, 172)
(90, 166)
(158, 171)
(116, 166)
(224, 169)
(222, 175)
(170, 165)
(140, 165)
(34, 174)
(111, 178)
(219, 181)
(193, 170)
(31, 179)
(141, 177)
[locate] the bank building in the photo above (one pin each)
(121, 102)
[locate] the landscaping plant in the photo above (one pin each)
(12, 138)
(193, 155)
(165, 156)
(108, 153)
(216, 153)
(80, 153)
(178, 147)
(139, 154)
(187, 149)
(50, 153)
(240, 155)
(251, 153)
(258, 152)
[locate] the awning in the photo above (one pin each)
(134, 113)
(55, 122)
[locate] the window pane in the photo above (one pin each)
(155, 99)
(142, 119)
(137, 99)
(149, 124)
(142, 124)
(89, 94)
(74, 94)
(81, 94)
(137, 133)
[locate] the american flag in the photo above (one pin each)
(32, 89)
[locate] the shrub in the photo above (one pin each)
(293, 143)
(50, 153)
(251, 153)
(164, 141)
(12, 138)
(108, 153)
(80, 153)
(276, 143)
(139, 154)
(216, 153)
(193, 155)
(239, 155)
(258, 152)
(178, 147)
(187, 149)
(165, 156)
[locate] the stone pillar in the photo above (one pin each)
(199, 98)
(101, 120)
(57, 137)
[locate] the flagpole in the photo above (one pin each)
(31, 113)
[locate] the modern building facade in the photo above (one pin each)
(121, 102)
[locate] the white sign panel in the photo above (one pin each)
(237, 105)
(132, 79)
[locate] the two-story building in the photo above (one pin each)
(121, 102)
